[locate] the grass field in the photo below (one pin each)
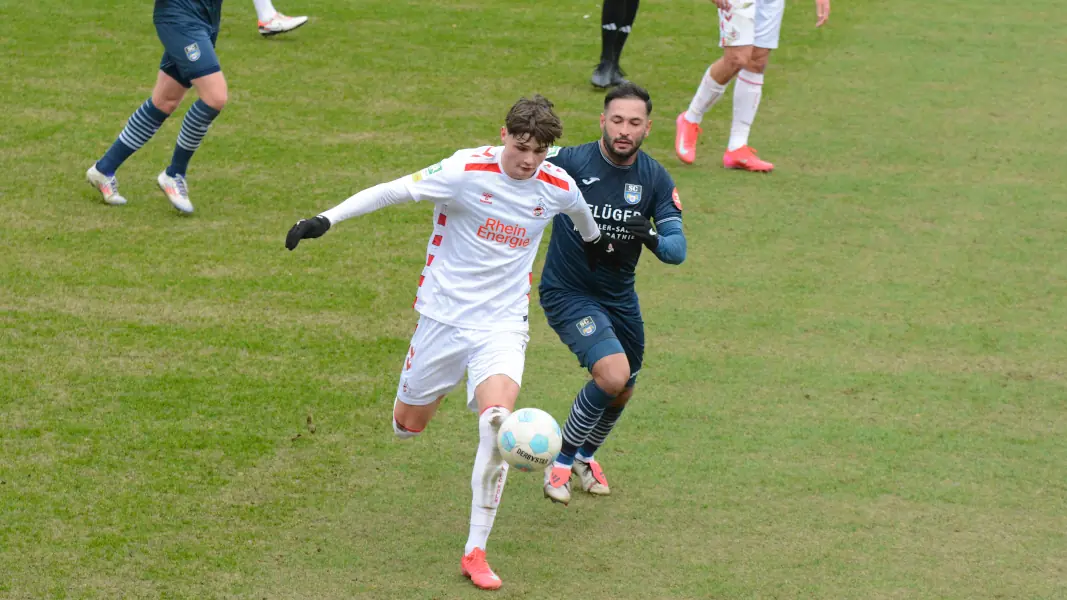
(855, 386)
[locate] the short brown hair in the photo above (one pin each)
(534, 118)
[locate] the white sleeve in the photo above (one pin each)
(370, 200)
(583, 218)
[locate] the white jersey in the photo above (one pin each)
(486, 231)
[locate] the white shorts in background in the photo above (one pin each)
(440, 354)
(751, 23)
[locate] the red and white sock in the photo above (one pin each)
(747, 93)
(709, 92)
(487, 479)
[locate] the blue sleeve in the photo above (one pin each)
(672, 245)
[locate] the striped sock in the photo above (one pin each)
(600, 432)
(194, 128)
(584, 416)
(143, 124)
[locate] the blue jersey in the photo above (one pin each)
(202, 12)
(614, 193)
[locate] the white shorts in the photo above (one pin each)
(751, 23)
(440, 354)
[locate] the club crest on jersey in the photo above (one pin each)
(586, 326)
(632, 193)
(540, 210)
(192, 51)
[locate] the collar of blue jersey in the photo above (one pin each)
(600, 147)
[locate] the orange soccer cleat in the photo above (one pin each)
(477, 569)
(592, 477)
(558, 484)
(745, 158)
(685, 139)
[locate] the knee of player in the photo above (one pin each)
(403, 432)
(166, 104)
(756, 65)
(613, 381)
(738, 60)
(217, 99)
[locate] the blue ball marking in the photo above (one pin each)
(525, 416)
(507, 441)
(539, 444)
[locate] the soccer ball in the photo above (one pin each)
(529, 439)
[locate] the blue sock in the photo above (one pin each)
(585, 414)
(194, 128)
(600, 432)
(143, 124)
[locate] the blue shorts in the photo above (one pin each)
(593, 330)
(188, 51)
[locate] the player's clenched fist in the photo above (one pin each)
(597, 250)
(641, 228)
(306, 228)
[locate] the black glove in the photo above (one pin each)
(306, 228)
(641, 228)
(598, 251)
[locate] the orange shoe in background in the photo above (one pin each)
(745, 158)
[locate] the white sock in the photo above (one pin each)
(265, 10)
(488, 478)
(747, 92)
(707, 95)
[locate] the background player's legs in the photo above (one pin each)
(629, 16)
(495, 398)
(616, 20)
(711, 90)
(142, 125)
(715, 80)
(272, 22)
(747, 94)
(213, 96)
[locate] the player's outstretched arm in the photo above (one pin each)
(368, 200)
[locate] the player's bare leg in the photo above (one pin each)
(272, 22)
(747, 93)
(711, 90)
(409, 419)
(496, 399)
(214, 94)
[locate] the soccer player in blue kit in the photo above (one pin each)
(597, 314)
(188, 30)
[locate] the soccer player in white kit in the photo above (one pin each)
(491, 205)
(748, 31)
